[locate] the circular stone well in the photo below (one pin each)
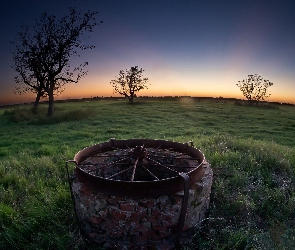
(140, 194)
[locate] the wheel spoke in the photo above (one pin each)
(145, 163)
(159, 164)
(150, 173)
(105, 165)
(121, 172)
(134, 169)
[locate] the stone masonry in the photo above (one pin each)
(148, 223)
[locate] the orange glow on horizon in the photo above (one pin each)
(167, 85)
(87, 93)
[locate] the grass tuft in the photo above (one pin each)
(38, 116)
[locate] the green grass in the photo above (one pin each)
(251, 150)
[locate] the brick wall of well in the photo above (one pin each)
(117, 222)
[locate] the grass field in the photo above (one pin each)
(251, 150)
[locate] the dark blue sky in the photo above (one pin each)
(198, 48)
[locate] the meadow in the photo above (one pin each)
(251, 150)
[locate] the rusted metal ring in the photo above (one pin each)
(138, 189)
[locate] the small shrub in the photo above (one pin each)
(18, 114)
(9, 180)
(239, 103)
(6, 213)
(39, 116)
(64, 116)
(4, 151)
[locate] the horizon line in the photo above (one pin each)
(148, 96)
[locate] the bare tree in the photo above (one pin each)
(31, 77)
(46, 51)
(129, 82)
(255, 88)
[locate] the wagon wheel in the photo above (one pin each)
(138, 163)
(138, 167)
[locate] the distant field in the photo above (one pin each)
(251, 150)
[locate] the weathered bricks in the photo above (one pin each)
(117, 214)
(148, 223)
(128, 206)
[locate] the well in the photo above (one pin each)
(140, 194)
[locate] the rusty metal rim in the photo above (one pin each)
(138, 188)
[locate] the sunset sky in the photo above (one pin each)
(186, 47)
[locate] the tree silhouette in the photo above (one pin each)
(129, 82)
(42, 55)
(31, 77)
(255, 88)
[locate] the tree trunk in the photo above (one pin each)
(253, 102)
(131, 98)
(51, 98)
(36, 103)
